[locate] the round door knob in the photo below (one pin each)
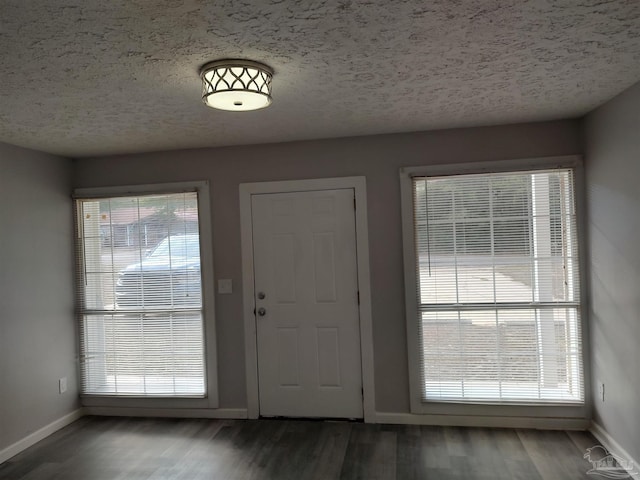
(262, 312)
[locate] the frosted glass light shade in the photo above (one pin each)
(236, 85)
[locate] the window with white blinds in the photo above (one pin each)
(498, 291)
(140, 295)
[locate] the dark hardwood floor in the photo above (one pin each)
(95, 448)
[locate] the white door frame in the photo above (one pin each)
(358, 184)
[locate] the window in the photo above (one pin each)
(139, 280)
(496, 307)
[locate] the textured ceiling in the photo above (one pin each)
(93, 77)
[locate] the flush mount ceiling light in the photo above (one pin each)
(236, 85)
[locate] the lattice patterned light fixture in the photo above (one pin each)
(236, 85)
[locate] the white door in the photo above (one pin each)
(307, 315)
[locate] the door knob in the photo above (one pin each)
(262, 311)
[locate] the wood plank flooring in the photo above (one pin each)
(96, 448)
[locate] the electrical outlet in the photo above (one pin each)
(62, 384)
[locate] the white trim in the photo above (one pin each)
(574, 412)
(543, 423)
(41, 434)
(208, 293)
(225, 413)
(613, 446)
(358, 184)
(410, 288)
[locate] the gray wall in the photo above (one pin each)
(37, 328)
(612, 139)
(378, 158)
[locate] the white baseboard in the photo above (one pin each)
(41, 434)
(483, 421)
(614, 447)
(226, 413)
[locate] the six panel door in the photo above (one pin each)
(307, 313)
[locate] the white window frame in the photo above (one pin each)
(114, 404)
(465, 413)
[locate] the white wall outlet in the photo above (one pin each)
(62, 384)
(225, 286)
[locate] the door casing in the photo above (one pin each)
(358, 184)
